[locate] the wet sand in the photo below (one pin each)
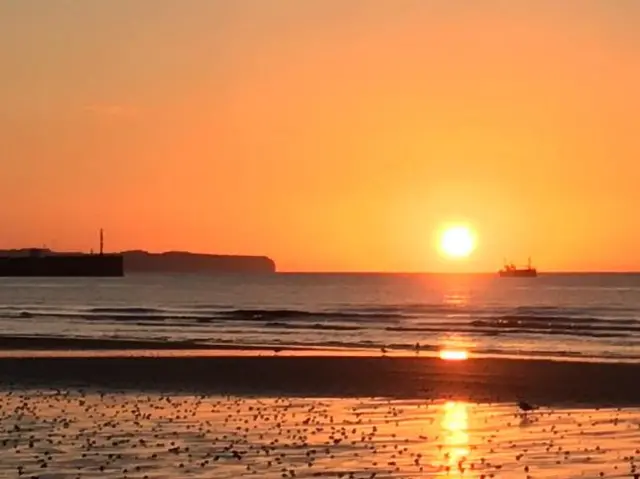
(164, 414)
(77, 433)
(477, 380)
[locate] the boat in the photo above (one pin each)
(510, 270)
(40, 262)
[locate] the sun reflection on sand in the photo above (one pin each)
(455, 448)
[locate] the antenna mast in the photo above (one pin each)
(101, 241)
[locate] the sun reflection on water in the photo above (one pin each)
(455, 448)
(453, 355)
(459, 300)
(455, 346)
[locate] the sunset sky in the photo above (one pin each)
(327, 134)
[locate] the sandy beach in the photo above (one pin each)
(83, 433)
(142, 413)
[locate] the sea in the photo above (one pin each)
(593, 317)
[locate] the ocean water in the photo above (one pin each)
(588, 316)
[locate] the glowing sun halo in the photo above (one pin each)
(457, 242)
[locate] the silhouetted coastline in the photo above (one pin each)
(186, 262)
(41, 263)
(45, 262)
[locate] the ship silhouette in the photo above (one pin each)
(510, 270)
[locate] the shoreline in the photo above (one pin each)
(25, 346)
(481, 380)
(51, 343)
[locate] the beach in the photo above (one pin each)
(282, 239)
(160, 416)
(337, 376)
(73, 432)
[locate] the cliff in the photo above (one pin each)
(183, 262)
(169, 262)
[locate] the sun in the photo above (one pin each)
(457, 241)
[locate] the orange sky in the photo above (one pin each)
(328, 134)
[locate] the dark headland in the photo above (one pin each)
(45, 262)
(185, 262)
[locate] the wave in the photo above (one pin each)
(415, 319)
(349, 311)
(239, 315)
(126, 310)
(521, 331)
(515, 319)
(314, 326)
(267, 314)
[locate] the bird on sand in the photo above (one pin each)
(526, 407)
